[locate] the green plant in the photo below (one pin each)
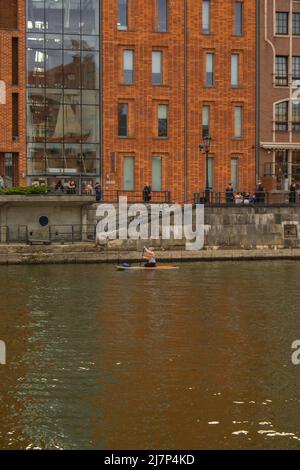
(24, 190)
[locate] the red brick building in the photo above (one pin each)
(207, 68)
(125, 90)
(12, 92)
(280, 95)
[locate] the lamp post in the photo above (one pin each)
(205, 146)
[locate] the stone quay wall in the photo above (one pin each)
(236, 227)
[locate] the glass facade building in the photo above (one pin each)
(63, 91)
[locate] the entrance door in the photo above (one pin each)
(281, 170)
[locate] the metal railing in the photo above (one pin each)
(248, 198)
(75, 233)
(156, 197)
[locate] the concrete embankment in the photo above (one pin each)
(86, 254)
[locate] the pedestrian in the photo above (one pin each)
(98, 191)
(292, 197)
(147, 193)
(229, 194)
(59, 186)
(88, 189)
(72, 186)
(260, 193)
(2, 185)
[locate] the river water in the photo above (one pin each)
(198, 358)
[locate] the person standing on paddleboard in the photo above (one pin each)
(150, 258)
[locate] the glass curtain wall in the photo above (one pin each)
(63, 87)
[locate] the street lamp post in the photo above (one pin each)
(205, 146)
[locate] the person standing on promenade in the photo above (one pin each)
(98, 191)
(293, 194)
(147, 193)
(229, 194)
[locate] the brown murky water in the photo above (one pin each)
(194, 359)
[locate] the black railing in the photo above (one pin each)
(156, 197)
(51, 234)
(247, 198)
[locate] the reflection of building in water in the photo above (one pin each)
(63, 90)
(280, 93)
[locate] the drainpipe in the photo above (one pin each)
(101, 91)
(185, 105)
(257, 108)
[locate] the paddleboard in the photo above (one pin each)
(144, 268)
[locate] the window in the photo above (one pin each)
(205, 16)
(281, 71)
(281, 116)
(63, 88)
(282, 23)
(234, 172)
(296, 24)
(238, 18)
(238, 122)
(162, 115)
(296, 68)
(15, 116)
(162, 16)
(128, 182)
(15, 61)
(123, 119)
(210, 172)
(296, 115)
(157, 76)
(235, 70)
(9, 164)
(205, 120)
(122, 15)
(209, 69)
(156, 174)
(128, 65)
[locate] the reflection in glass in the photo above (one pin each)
(72, 123)
(72, 16)
(90, 119)
(54, 124)
(54, 160)
(35, 96)
(35, 15)
(90, 97)
(53, 41)
(90, 16)
(72, 42)
(72, 69)
(35, 41)
(72, 97)
(54, 68)
(63, 88)
(35, 67)
(90, 70)
(36, 163)
(90, 43)
(53, 16)
(35, 122)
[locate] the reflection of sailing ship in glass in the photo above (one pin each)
(68, 124)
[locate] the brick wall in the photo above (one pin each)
(143, 144)
(7, 18)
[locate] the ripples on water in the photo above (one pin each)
(195, 359)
